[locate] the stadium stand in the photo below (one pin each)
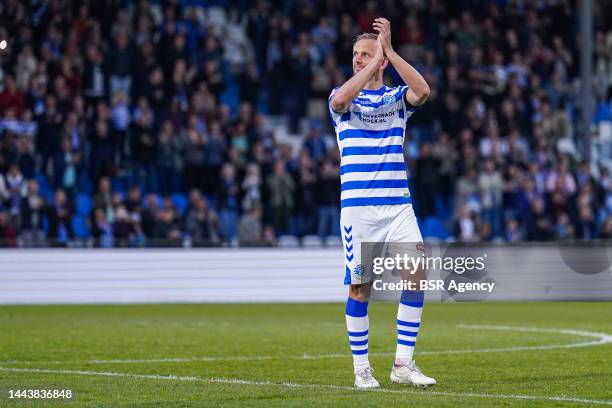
(143, 123)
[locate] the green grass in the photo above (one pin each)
(62, 338)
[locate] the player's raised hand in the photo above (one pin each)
(383, 27)
(379, 56)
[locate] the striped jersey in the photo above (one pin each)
(370, 136)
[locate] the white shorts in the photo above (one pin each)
(381, 223)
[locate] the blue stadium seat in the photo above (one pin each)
(85, 185)
(432, 227)
(333, 241)
(180, 201)
(44, 188)
(45, 224)
(80, 227)
(441, 210)
(84, 204)
(41, 179)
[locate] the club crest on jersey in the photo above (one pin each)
(358, 270)
(388, 99)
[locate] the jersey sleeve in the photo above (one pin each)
(407, 107)
(335, 116)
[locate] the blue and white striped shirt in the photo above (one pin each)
(370, 136)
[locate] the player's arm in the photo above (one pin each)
(419, 90)
(344, 96)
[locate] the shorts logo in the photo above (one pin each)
(358, 271)
(388, 99)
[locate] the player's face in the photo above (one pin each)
(363, 52)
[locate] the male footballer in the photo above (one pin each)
(370, 119)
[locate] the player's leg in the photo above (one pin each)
(358, 326)
(357, 322)
(409, 312)
(405, 232)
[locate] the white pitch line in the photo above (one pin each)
(298, 385)
(601, 338)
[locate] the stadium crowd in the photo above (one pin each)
(155, 123)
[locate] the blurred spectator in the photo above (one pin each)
(606, 230)
(102, 153)
(491, 185)
(16, 186)
(250, 228)
(169, 159)
(251, 187)
(11, 97)
(539, 224)
(94, 78)
(102, 230)
(65, 169)
(564, 228)
(48, 140)
(123, 227)
(32, 212)
(167, 230)
(328, 193)
(315, 144)
(119, 61)
(427, 181)
(465, 226)
(228, 202)
(144, 146)
(103, 198)
(446, 154)
(7, 232)
(200, 223)
(513, 232)
(306, 189)
(149, 215)
(281, 187)
(60, 220)
(120, 119)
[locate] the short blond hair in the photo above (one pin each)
(365, 36)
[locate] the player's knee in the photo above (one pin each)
(414, 274)
(360, 292)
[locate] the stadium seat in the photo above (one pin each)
(45, 224)
(85, 185)
(312, 241)
(180, 202)
(41, 179)
(333, 241)
(44, 188)
(84, 204)
(80, 227)
(288, 241)
(432, 227)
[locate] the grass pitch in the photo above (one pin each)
(528, 354)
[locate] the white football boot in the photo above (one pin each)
(365, 379)
(409, 373)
